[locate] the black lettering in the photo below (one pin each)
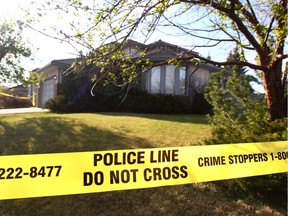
(183, 169)
(108, 159)
(130, 159)
(97, 157)
(230, 157)
(200, 162)
(152, 160)
(256, 159)
(146, 177)
(117, 162)
(250, 157)
(166, 173)
(19, 171)
(265, 157)
(134, 171)
(175, 172)
(206, 161)
(165, 156)
(10, 173)
(125, 176)
(99, 178)
(235, 159)
(141, 157)
(245, 156)
(114, 177)
(260, 157)
(175, 155)
(88, 178)
(2, 172)
(157, 174)
(241, 158)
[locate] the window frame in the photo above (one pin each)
(163, 79)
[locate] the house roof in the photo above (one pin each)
(66, 63)
(156, 51)
(171, 46)
(18, 87)
(134, 43)
(160, 50)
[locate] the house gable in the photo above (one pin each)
(52, 75)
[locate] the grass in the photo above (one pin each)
(47, 133)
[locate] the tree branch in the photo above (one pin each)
(235, 18)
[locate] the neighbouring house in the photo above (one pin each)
(14, 97)
(185, 81)
(18, 91)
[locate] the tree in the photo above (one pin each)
(256, 26)
(238, 112)
(12, 50)
(233, 56)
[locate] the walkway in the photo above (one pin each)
(22, 110)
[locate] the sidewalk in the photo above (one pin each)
(22, 110)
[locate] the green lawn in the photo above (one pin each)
(47, 133)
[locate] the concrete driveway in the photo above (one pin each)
(22, 110)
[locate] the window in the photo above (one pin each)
(167, 79)
(182, 80)
(155, 80)
(170, 79)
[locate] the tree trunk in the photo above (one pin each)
(275, 93)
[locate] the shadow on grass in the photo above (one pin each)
(56, 134)
(191, 199)
(185, 118)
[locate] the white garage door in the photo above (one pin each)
(47, 90)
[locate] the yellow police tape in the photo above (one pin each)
(8, 95)
(23, 176)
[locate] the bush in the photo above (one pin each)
(141, 102)
(269, 188)
(57, 104)
(108, 98)
(240, 116)
(14, 102)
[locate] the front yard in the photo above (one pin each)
(49, 133)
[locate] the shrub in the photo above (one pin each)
(240, 116)
(108, 98)
(14, 102)
(57, 104)
(141, 102)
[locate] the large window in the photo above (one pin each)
(155, 80)
(167, 79)
(170, 79)
(182, 80)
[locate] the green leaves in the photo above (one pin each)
(12, 49)
(239, 115)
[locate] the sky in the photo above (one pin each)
(46, 49)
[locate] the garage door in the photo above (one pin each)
(47, 90)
